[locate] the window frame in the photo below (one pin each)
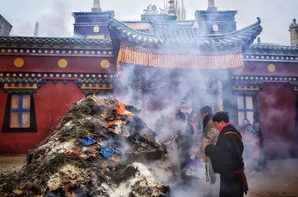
(8, 110)
(245, 110)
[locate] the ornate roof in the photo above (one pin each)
(273, 49)
(54, 43)
(272, 52)
(182, 38)
(121, 31)
(137, 25)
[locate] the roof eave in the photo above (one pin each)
(239, 40)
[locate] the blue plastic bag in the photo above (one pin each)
(106, 152)
(87, 140)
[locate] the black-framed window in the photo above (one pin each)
(19, 113)
(246, 108)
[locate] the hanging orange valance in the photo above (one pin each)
(129, 55)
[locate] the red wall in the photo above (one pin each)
(277, 116)
(52, 100)
(260, 68)
(49, 64)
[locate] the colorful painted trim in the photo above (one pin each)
(260, 79)
(147, 57)
(270, 58)
(56, 52)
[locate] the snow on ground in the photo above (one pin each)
(279, 179)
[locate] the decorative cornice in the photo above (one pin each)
(270, 58)
(20, 86)
(254, 79)
(254, 83)
(272, 53)
(274, 48)
(246, 88)
(92, 78)
(56, 52)
(89, 86)
(54, 42)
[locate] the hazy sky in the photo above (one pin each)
(55, 16)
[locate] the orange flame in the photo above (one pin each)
(121, 109)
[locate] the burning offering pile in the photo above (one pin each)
(99, 148)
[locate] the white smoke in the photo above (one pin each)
(159, 93)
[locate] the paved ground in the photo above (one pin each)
(11, 163)
(280, 179)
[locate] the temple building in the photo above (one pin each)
(181, 61)
(167, 60)
(41, 77)
(266, 89)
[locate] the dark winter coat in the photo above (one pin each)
(226, 158)
(184, 141)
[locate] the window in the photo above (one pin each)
(245, 108)
(20, 114)
(96, 29)
(215, 28)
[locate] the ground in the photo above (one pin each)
(11, 163)
(279, 179)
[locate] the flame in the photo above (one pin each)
(121, 109)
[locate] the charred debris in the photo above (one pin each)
(99, 148)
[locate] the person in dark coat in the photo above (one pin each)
(210, 135)
(226, 157)
(184, 139)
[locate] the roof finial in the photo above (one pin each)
(294, 33)
(211, 4)
(183, 11)
(36, 29)
(294, 24)
(96, 6)
(172, 7)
